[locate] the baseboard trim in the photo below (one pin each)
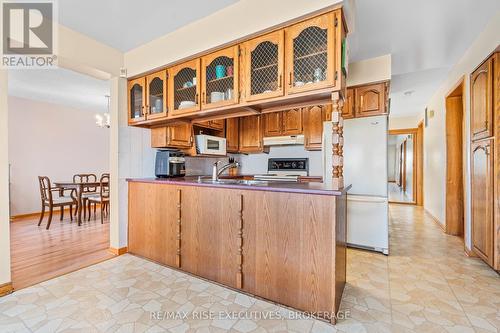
(119, 251)
(6, 289)
(16, 218)
(435, 220)
(470, 253)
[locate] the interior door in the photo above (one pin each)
(482, 199)
(264, 65)
(481, 106)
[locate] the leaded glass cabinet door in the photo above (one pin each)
(264, 61)
(310, 54)
(184, 87)
(156, 95)
(219, 72)
(136, 100)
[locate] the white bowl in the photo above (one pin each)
(216, 96)
(299, 83)
(186, 104)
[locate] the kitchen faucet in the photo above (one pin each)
(216, 171)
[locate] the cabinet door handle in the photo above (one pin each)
(290, 79)
(486, 123)
(203, 98)
(197, 98)
(280, 81)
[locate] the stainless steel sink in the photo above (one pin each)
(232, 181)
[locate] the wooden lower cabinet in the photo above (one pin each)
(152, 229)
(285, 247)
(482, 179)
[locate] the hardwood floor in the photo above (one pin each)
(38, 254)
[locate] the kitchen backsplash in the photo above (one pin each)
(257, 163)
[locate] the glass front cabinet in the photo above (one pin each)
(136, 100)
(219, 76)
(184, 87)
(263, 59)
(310, 54)
(156, 95)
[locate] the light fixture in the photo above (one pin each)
(104, 120)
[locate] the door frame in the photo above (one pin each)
(455, 125)
(417, 178)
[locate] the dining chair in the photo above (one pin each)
(102, 198)
(87, 190)
(48, 200)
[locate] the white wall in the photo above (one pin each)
(404, 122)
(51, 140)
(229, 24)
(370, 70)
(435, 136)
(4, 182)
(409, 167)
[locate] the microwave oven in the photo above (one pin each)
(210, 145)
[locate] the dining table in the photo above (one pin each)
(79, 189)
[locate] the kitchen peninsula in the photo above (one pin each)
(284, 242)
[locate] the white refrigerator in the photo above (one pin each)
(365, 168)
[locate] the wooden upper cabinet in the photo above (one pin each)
(251, 134)
(263, 62)
(310, 54)
(136, 100)
(219, 74)
(348, 110)
(482, 199)
(172, 136)
(370, 100)
(232, 135)
(292, 122)
(273, 124)
(313, 125)
(481, 101)
(156, 95)
(217, 124)
(184, 87)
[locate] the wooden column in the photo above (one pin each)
(337, 141)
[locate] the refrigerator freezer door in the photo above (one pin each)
(365, 155)
(367, 223)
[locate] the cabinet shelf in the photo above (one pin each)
(310, 55)
(220, 79)
(185, 88)
(264, 67)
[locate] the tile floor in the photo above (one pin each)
(425, 285)
(396, 194)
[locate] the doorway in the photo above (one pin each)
(455, 155)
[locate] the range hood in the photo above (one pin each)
(284, 140)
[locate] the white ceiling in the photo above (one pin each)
(60, 86)
(126, 24)
(425, 38)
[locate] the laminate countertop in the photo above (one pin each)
(305, 187)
